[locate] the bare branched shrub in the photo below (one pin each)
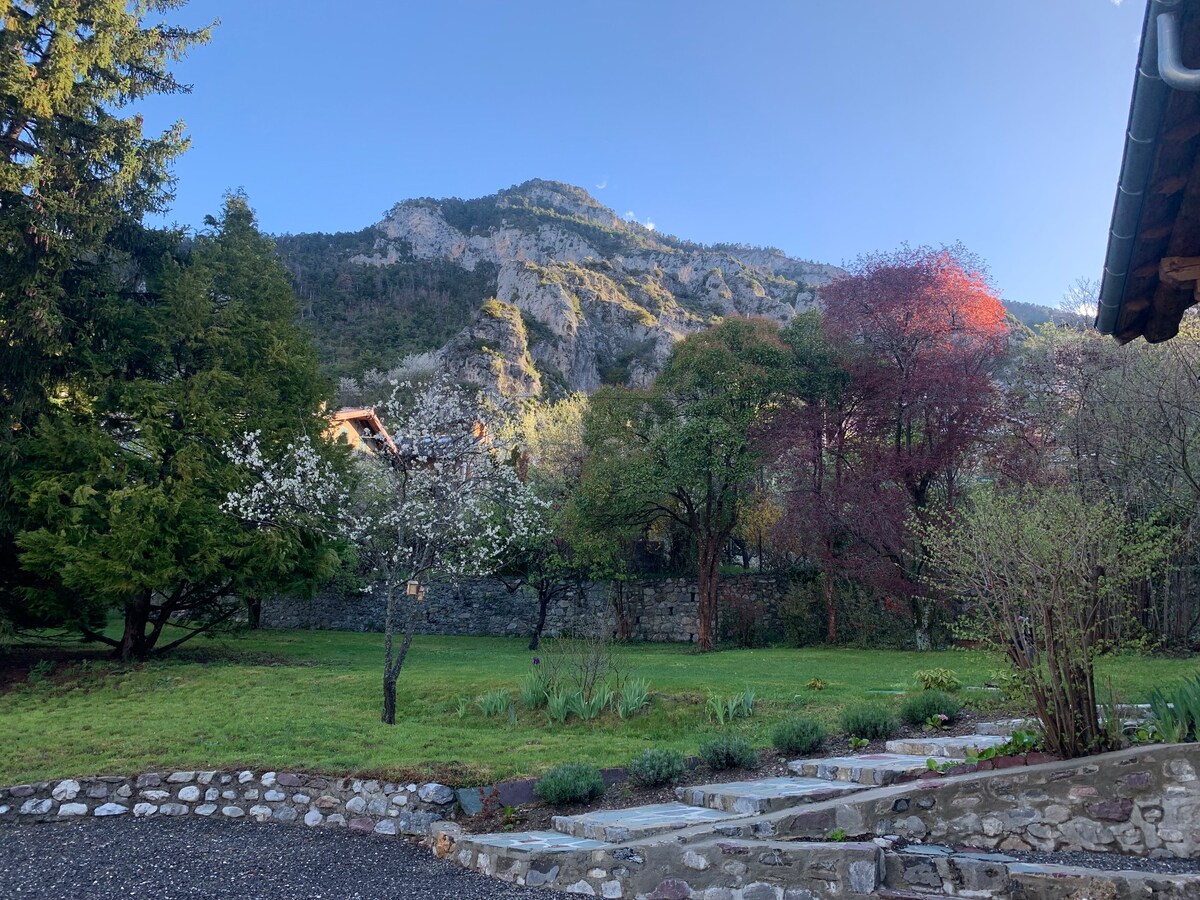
(1045, 573)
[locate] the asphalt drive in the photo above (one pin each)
(199, 858)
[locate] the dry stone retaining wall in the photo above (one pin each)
(661, 610)
(282, 797)
(1144, 802)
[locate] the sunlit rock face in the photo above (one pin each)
(594, 299)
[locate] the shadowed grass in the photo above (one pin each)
(310, 701)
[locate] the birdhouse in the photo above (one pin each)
(413, 587)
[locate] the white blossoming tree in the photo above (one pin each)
(446, 502)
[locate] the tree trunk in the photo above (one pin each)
(624, 629)
(389, 701)
(708, 585)
(133, 639)
(831, 623)
(254, 613)
(922, 623)
(544, 597)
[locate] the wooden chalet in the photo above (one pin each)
(363, 431)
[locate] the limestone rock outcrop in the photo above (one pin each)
(585, 297)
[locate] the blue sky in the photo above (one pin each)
(824, 127)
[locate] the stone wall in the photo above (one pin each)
(660, 610)
(1143, 801)
(281, 797)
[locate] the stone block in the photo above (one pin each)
(73, 809)
(35, 806)
(66, 790)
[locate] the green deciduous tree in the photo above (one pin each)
(125, 477)
(683, 450)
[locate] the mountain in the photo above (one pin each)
(532, 290)
(1033, 314)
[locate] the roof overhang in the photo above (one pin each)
(1152, 265)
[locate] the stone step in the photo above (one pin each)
(617, 825)
(867, 769)
(530, 842)
(945, 747)
(1006, 727)
(763, 795)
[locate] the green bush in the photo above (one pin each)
(937, 679)
(798, 735)
(656, 767)
(570, 783)
(728, 752)
(918, 708)
(869, 720)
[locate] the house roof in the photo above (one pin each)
(1152, 265)
(365, 417)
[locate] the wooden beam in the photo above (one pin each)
(1176, 270)
(1170, 186)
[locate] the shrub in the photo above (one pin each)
(918, 708)
(937, 679)
(727, 752)
(656, 767)
(798, 735)
(570, 783)
(868, 720)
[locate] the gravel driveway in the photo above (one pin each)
(197, 858)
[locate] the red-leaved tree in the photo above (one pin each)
(917, 334)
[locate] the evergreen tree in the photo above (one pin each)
(77, 173)
(124, 486)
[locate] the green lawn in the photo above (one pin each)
(310, 700)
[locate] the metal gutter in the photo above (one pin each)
(1146, 109)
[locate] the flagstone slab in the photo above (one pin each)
(945, 747)
(867, 769)
(763, 795)
(534, 842)
(616, 825)
(1006, 727)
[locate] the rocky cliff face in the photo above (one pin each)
(581, 297)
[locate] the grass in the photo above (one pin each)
(310, 701)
